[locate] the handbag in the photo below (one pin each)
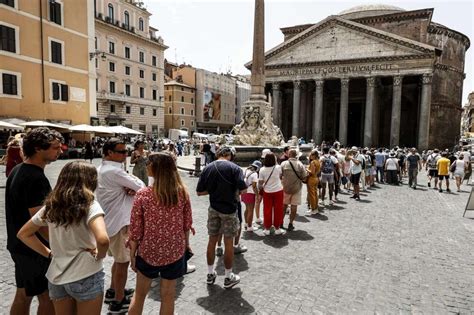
(260, 191)
(303, 180)
(452, 168)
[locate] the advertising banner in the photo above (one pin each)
(212, 106)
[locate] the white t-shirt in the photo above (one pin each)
(391, 164)
(459, 166)
(70, 261)
(356, 169)
(467, 156)
(250, 178)
(274, 183)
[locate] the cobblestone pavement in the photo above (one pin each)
(397, 251)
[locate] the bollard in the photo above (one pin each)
(197, 166)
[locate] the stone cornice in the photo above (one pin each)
(444, 67)
(435, 28)
(337, 62)
(398, 16)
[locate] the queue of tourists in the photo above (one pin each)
(58, 237)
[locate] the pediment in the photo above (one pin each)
(337, 39)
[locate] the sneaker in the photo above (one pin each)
(190, 268)
(331, 202)
(280, 232)
(219, 251)
(314, 211)
(448, 190)
(440, 190)
(429, 184)
(119, 307)
(309, 212)
(231, 281)
(110, 294)
(353, 196)
(290, 227)
(357, 198)
(239, 249)
(259, 221)
(211, 278)
(266, 232)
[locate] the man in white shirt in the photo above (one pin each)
(357, 163)
(115, 192)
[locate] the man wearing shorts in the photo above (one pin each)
(115, 192)
(357, 162)
(223, 181)
(443, 171)
(432, 167)
(26, 189)
(294, 173)
(329, 165)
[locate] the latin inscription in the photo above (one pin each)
(338, 69)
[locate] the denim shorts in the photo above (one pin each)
(82, 290)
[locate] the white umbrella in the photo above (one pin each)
(41, 123)
(102, 129)
(83, 128)
(15, 121)
(124, 130)
(4, 126)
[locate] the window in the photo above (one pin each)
(96, 85)
(9, 84)
(192, 100)
(127, 70)
(56, 52)
(192, 123)
(127, 110)
(169, 98)
(127, 52)
(142, 56)
(142, 74)
(112, 87)
(140, 24)
(182, 111)
(154, 129)
(142, 128)
(112, 108)
(111, 13)
(142, 92)
(170, 110)
(154, 94)
(192, 112)
(182, 99)
(142, 110)
(60, 92)
(126, 18)
(129, 126)
(182, 89)
(96, 63)
(153, 60)
(96, 44)
(55, 12)
(8, 39)
(154, 112)
(112, 66)
(111, 47)
(153, 77)
(10, 3)
(127, 89)
(182, 122)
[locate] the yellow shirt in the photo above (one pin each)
(443, 166)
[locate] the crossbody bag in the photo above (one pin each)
(303, 180)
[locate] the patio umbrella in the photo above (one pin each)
(15, 121)
(41, 123)
(4, 126)
(124, 130)
(83, 128)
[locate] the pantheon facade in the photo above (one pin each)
(373, 75)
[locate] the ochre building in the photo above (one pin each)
(371, 76)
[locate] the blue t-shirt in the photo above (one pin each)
(379, 159)
(223, 180)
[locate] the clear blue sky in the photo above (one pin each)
(217, 34)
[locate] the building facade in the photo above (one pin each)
(129, 60)
(45, 72)
(467, 121)
(242, 93)
(180, 108)
(370, 76)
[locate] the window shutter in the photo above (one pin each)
(14, 88)
(11, 40)
(55, 91)
(56, 53)
(64, 92)
(55, 12)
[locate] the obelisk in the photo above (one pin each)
(258, 62)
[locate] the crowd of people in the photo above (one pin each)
(58, 237)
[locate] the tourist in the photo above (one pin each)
(413, 164)
(14, 155)
(392, 169)
(443, 171)
(88, 152)
(460, 167)
(432, 168)
(294, 174)
(357, 161)
(159, 233)
(284, 156)
(248, 198)
(139, 158)
(222, 180)
(78, 239)
(346, 170)
(313, 181)
(329, 165)
(115, 192)
(25, 192)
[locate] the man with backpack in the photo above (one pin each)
(432, 168)
(329, 166)
(413, 165)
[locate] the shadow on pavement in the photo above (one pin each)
(299, 235)
(301, 218)
(277, 241)
(320, 217)
(222, 301)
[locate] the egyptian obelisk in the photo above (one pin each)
(258, 61)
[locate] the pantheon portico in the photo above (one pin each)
(370, 76)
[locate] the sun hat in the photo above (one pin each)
(257, 164)
(265, 152)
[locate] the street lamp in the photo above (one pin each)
(96, 54)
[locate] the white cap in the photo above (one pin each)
(265, 152)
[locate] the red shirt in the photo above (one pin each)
(159, 230)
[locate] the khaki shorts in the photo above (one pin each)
(221, 223)
(117, 247)
(292, 199)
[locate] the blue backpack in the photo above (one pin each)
(327, 166)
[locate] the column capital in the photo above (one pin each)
(427, 78)
(297, 84)
(345, 82)
(276, 85)
(371, 81)
(397, 80)
(319, 83)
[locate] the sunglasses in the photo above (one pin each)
(120, 151)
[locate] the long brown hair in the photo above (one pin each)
(167, 186)
(71, 198)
